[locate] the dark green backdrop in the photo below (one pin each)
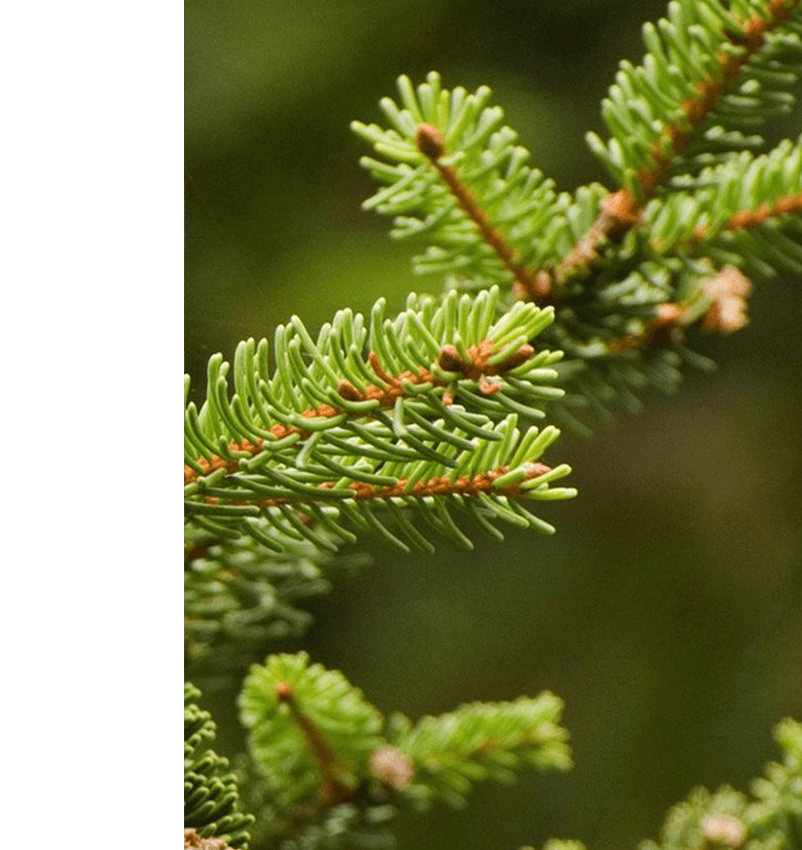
(667, 611)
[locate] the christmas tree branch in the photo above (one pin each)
(527, 282)
(747, 36)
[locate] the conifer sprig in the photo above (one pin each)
(421, 409)
(687, 88)
(458, 179)
(317, 744)
(211, 796)
(482, 741)
(745, 212)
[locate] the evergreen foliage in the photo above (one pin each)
(439, 419)
(312, 447)
(324, 756)
(211, 795)
(728, 818)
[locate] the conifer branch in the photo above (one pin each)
(317, 744)
(444, 485)
(747, 36)
(211, 797)
(740, 40)
(532, 286)
(475, 366)
(482, 741)
(428, 417)
(380, 422)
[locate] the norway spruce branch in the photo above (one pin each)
(416, 411)
(628, 271)
(393, 425)
(211, 796)
(318, 745)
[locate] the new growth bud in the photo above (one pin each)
(429, 141)
(723, 829)
(729, 290)
(392, 767)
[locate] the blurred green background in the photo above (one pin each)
(667, 610)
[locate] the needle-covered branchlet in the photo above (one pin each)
(476, 368)
(444, 485)
(536, 286)
(750, 35)
(621, 210)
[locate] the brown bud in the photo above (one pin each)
(621, 211)
(488, 387)
(283, 691)
(429, 141)
(728, 290)
(193, 841)
(450, 360)
(347, 390)
(392, 767)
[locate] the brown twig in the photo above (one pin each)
(332, 788)
(464, 485)
(726, 292)
(475, 368)
(753, 218)
(659, 333)
(621, 210)
(618, 212)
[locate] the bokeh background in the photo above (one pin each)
(667, 610)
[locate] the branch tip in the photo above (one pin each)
(283, 691)
(429, 141)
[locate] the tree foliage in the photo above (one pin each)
(442, 419)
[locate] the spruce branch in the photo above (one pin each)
(211, 797)
(730, 819)
(525, 281)
(689, 87)
(481, 741)
(428, 417)
(310, 731)
(696, 56)
(458, 180)
(317, 745)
